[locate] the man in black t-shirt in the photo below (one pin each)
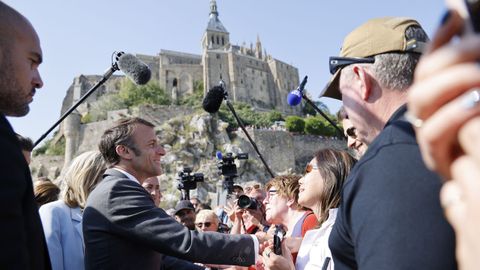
(390, 216)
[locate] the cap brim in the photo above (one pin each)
(331, 89)
(176, 211)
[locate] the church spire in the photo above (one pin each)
(213, 9)
(216, 35)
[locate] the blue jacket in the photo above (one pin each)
(63, 231)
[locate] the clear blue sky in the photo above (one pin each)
(78, 37)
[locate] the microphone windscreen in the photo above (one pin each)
(294, 98)
(213, 99)
(135, 69)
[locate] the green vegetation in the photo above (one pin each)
(194, 100)
(248, 116)
(129, 95)
(295, 124)
(134, 95)
(312, 125)
(51, 149)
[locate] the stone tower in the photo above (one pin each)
(216, 36)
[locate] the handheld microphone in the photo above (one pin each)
(133, 68)
(213, 99)
(295, 97)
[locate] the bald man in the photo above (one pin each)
(22, 242)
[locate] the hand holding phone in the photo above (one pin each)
(277, 239)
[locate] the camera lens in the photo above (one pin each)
(245, 202)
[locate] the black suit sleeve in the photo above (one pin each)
(135, 217)
(172, 263)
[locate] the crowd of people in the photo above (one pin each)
(404, 196)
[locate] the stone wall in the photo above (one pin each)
(285, 152)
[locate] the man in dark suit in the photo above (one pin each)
(22, 242)
(122, 226)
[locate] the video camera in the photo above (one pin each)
(228, 168)
(227, 163)
(188, 181)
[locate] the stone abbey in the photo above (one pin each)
(250, 74)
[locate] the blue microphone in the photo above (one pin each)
(219, 155)
(295, 97)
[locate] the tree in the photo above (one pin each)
(295, 124)
(315, 126)
(151, 93)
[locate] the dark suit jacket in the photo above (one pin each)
(123, 229)
(22, 243)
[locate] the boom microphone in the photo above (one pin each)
(295, 97)
(213, 99)
(133, 68)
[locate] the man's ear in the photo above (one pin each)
(364, 81)
(124, 152)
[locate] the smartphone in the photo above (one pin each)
(277, 240)
(473, 9)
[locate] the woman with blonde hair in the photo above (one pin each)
(62, 219)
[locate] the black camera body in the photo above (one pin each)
(187, 180)
(227, 164)
(246, 202)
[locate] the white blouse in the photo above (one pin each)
(314, 248)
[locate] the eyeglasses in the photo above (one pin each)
(336, 62)
(310, 167)
(206, 224)
(271, 193)
(351, 132)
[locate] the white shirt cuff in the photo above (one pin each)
(256, 246)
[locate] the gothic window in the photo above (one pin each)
(175, 82)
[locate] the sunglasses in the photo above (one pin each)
(351, 132)
(201, 224)
(310, 168)
(336, 62)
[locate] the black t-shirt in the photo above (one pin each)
(390, 215)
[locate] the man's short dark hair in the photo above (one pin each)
(120, 134)
(25, 143)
